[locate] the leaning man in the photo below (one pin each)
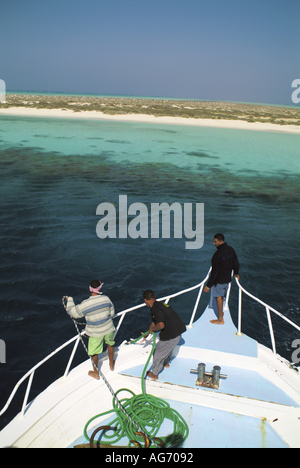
(170, 325)
(223, 262)
(98, 311)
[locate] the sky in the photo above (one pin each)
(223, 50)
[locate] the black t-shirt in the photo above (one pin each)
(174, 326)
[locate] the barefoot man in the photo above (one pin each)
(98, 311)
(223, 262)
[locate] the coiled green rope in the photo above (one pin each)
(148, 411)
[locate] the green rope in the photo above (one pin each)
(148, 411)
(119, 404)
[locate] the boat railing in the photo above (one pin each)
(166, 299)
(268, 308)
(30, 374)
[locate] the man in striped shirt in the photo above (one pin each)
(98, 311)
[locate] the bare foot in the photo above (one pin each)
(217, 322)
(151, 375)
(94, 374)
(112, 366)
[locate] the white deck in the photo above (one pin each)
(258, 405)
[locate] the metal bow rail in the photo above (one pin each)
(268, 312)
(30, 374)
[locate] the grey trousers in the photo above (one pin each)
(162, 354)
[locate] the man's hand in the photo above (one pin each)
(206, 289)
(144, 338)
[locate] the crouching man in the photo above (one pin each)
(170, 325)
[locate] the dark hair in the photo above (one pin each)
(148, 295)
(95, 284)
(219, 236)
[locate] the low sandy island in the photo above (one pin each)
(197, 113)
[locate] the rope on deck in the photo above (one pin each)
(149, 413)
(116, 402)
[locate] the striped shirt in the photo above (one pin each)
(97, 311)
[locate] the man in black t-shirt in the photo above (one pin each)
(170, 325)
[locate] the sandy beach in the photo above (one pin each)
(69, 114)
(156, 111)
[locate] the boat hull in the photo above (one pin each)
(257, 405)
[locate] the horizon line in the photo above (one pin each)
(129, 96)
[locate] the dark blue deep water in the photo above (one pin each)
(54, 174)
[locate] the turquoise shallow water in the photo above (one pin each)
(184, 147)
(54, 174)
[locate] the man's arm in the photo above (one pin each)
(236, 267)
(154, 328)
(215, 263)
(72, 309)
(111, 309)
(212, 278)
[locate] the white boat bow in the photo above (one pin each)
(255, 403)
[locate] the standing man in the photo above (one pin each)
(98, 311)
(170, 325)
(223, 262)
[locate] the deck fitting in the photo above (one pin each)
(208, 379)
